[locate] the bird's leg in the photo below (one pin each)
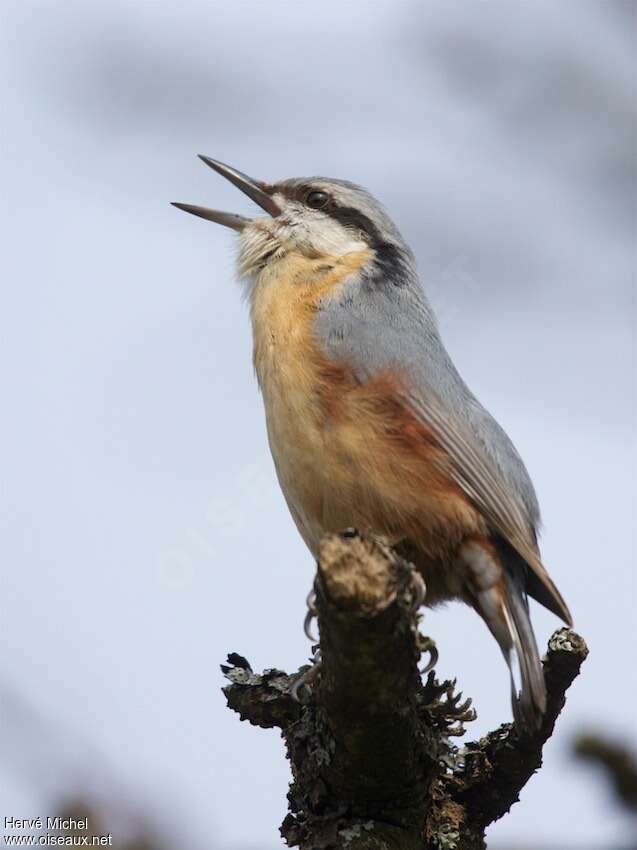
(304, 683)
(310, 615)
(418, 590)
(305, 680)
(425, 644)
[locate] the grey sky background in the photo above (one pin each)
(143, 532)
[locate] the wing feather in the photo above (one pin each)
(484, 462)
(480, 479)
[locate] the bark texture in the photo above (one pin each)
(371, 745)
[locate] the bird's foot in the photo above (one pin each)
(418, 590)
(311, 615)
(301, 690)
(426, 644)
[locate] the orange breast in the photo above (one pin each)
(347, 453)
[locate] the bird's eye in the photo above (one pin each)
(317, 200)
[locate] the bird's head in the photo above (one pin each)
(313, 216)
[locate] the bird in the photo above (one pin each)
(370, 424)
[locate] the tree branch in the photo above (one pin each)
(371, 750)
(495, 769)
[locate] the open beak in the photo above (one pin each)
(252, 188)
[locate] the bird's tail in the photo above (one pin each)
(528, 689)
(505, 609)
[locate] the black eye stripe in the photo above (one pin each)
(351, 217)
(390, 264)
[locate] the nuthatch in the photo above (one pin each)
(369, 423)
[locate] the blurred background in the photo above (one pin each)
(143, 532)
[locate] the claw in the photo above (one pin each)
(419, 589)
(306, 680)
(426, 644)
(311, 615)
(307, 626)
(295, 690)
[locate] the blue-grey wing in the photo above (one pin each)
(380, 328)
